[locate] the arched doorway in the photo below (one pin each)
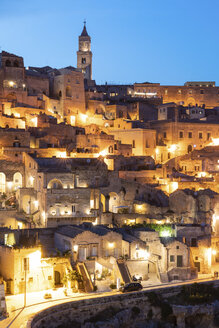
(191, 101)
(57, 278)
(189, 149)
(113, 202)
(68, 91)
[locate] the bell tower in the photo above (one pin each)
(84, 54)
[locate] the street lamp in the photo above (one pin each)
(26, 268)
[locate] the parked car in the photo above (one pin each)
(131, 287)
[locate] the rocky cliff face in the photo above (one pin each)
(199, 316)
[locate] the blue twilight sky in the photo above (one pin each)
(166, 41)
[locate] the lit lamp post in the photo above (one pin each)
(26, 267)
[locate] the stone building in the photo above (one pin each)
(28, 266)
(191, 93)
(143, 141)
(198, 238)
(193, 206)
(69, 89)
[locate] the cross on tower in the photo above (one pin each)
(84, 21)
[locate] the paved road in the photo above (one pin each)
(21, 316)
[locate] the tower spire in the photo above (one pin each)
(84, 32)
(84, 54)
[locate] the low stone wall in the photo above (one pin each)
(80, 311)
(3, 308)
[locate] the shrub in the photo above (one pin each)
(113, 286)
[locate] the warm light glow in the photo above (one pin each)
(214, 252)
(202, 174)
(44, 216)
(62, 154)
(142, 254)
(17, 115)
(131, 221)
(172, 148)
(34, 121)
(72, 118)
(103, 153)
(75, 248)
(165, 233)
(11, 83)
(35, 259)
(110, 245)
(173, 186)
(92, 203)
(83, 117)
(215, 218)
(88, 211)
(31, 180)
(209, 256)
(20, 225)
(157, 151)
(36, 203)
(215, 142)
(10, 184)
(139, 207)
(95, 222)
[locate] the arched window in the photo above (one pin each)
(16, 63)
(60, 94)
(55, 184)
(2, 182)
(17, 180)
(68, 91)
(83, 60)
(8, 63)
(110, 149)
